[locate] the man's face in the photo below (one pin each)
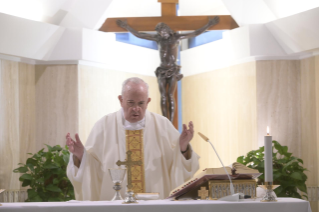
(164, 33)
(134, 102)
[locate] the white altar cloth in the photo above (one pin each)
(282, 205)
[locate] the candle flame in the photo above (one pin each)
(267, 130)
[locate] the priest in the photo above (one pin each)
(167, 157)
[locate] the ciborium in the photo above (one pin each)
(117, 176)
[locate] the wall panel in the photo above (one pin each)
(26, 110)
(9, 124)
(278, 102)
(56, 103)
(222, 105)
(17, 130)
(309, 120)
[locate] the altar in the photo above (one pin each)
(282, 205)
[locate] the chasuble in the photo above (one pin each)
(164, 166)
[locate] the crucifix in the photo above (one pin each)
(168, 40)
(203, 193)
(129, 163)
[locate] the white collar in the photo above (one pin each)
(132, 126)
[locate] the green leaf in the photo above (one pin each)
(304, 177)
(66, 159)
(296, 195)
(57, 148)
(296, 175)
(284, 150)
(302, 187)
(53, 188)
(23, 169)
(51, 166)
(289, 164)
(279, 148)
(36, 198)
(276, 175)
(71, 192)
(54, 199)
(49, 147)
(55, 181)
(40, 180)
(300, 160)
(31, 193)
(26, 183)
(59, 160)
(32, 161)
(288, 155)
(26, 177)
(31, 167)
(278, 190)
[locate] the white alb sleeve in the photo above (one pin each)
(76, 172)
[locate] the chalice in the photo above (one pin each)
(117, 176)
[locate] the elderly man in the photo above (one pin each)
(167, 157)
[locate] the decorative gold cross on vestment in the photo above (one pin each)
(129, 163)
(203, 193)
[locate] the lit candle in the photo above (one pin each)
(268, 157)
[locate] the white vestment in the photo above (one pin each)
(165, 166)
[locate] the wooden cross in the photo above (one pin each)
(203, 193)
(129, 163)
(169, 17)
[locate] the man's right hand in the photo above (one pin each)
(76, 147)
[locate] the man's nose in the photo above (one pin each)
(136, 108)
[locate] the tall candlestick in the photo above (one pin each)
(268, 157)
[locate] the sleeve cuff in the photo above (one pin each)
(77, 173)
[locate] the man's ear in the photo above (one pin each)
(120, 99)
(149, 100)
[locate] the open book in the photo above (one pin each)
(236, 171)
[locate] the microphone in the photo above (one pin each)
(233, 196)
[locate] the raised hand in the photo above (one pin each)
(121, 23)
(186, 136)
(76, 147)
(213, 21)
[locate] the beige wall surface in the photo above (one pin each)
(98, 95)
(309, 117)
(17, 108)
(56, 103)
(310, 120)
(278, 102)
(222, 105)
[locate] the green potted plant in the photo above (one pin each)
(45, 173)
(287, 170)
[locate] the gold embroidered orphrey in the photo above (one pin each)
(134, 161)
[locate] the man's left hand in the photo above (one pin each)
(186, 136)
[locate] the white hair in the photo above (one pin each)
(134, 80)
